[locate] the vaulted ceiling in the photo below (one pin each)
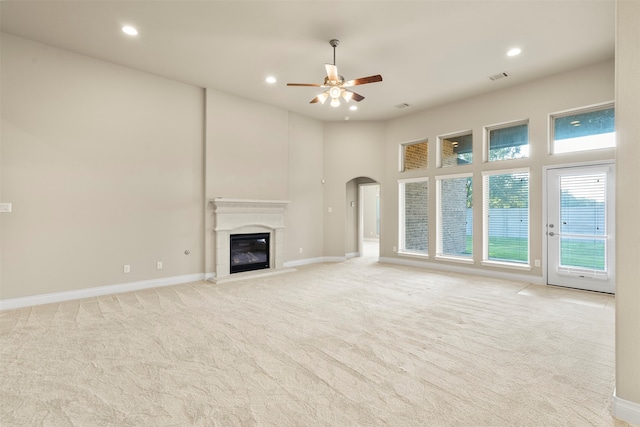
(428, 52)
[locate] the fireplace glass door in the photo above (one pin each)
(249, 252)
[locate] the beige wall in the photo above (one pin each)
(103, 165)
(304, 214)
(533, 101)
(246, 155)
(351, 150)
(247, 148)
(628, 201)
(107, 166)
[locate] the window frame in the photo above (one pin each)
(401, 157)
(402, 217)
(487, 140)
(485, 221)
(572, 112)
(439, 255)
(440, 140)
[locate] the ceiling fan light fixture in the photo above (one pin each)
(336, 84)
(323, 97)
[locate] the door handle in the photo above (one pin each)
(551, 233)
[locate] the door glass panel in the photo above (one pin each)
(583, 221)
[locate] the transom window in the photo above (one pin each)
(415, 156)
(456, 150)
(508, 142)
(584, 130)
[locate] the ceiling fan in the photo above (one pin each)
(337, 85)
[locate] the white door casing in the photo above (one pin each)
(580, 229)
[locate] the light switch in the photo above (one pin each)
(5, 207)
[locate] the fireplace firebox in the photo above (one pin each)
(249, 252)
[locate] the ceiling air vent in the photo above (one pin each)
(499, 76)
(403, 105)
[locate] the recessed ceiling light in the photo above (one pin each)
(514, 52)
(270, 79)
(353, 108)
(127, 29)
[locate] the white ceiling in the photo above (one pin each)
(428, 52)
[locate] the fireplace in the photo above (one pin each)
(248, 252)
(242, 217)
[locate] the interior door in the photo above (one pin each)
(580, 227)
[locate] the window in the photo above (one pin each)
(586, 130)
(511, 142)
(455, 219)
(456, 150)
(506, 216)
(583, 234)
(414, 208)
(415, 156)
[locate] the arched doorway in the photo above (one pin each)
(362, 222)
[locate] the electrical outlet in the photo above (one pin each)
(159, 265)
(395, 249)
(126, 268)
(537, 263)
(300, 250)
(5, 207)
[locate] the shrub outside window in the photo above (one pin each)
(508, 142)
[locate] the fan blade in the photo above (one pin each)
(332, 72)
(320, 98)
(304, 84)
(363, 80)
(355, 96)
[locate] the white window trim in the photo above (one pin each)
(485, 222)
(439, 254)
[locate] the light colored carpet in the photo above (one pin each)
(346, 344)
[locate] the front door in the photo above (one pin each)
(580, 227)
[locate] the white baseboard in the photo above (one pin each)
(318, 260)
(12, 303)
(625, 410)
(251, 274)
(464, 270)
(352, 255)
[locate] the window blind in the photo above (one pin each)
(583, 222)
(455, 221)
(506, 198)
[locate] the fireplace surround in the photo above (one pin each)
(247, 217)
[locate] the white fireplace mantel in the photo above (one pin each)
(238, 216)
